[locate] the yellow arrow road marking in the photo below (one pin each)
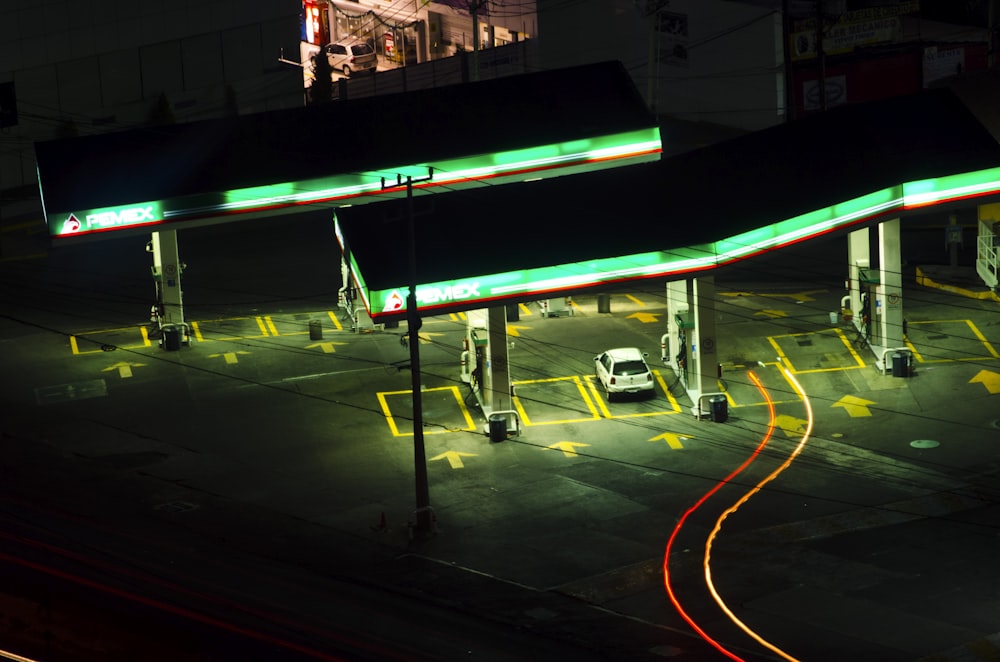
(854, 406)
(427, 338)
(645, 318)
(327, 347)
(672, 438)
(454, 458)
(567, 447)
(791, 426)
(989, 379)
(514, 329)
(124, 369)
(231, 357)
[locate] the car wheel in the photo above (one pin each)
(347, 71)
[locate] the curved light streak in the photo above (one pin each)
(746, 497)
(680, 524)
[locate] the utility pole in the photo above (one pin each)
(424, 524)
(820, 54)
(786, 33)
(474, 10)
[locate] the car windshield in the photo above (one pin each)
(630, 368)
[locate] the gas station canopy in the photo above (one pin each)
(333, 154)
(687, 213)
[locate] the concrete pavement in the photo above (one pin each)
(578, 555)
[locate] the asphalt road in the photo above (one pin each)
(280, 470)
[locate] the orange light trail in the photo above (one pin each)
(739, 503)
(680, 524)
(732, 509)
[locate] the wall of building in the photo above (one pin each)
(694, 60)
(89, 66)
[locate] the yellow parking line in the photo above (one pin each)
(850, 348)
(666, 389)
(983, 339)
(387, 412)
(196, 327)
(270, 326)
(470, 425)
(336, 322)
(526, 420)
(975, 330)
(783, 358)
(74, 344)
(913, 350)
(596, 394)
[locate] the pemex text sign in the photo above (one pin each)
(109, 218)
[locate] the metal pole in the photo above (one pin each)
(424, 524)
(474, 9)
(820, 55)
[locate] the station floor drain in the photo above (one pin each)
(924, 443)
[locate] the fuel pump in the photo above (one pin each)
(682, 356)
(474, 359)
(478, 365)
(167, 312)
(682, 359)
(864, 324)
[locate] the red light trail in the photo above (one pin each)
(728, 511)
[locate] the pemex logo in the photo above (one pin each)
(71, 224)
(393, 302)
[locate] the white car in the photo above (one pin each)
(351, 57)
(623, 370)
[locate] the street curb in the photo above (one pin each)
(925, 281)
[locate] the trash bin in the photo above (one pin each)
(513, 312)
(900, 365)
(833, 318)
(498, 428)
(315, 330)
(171, 338)
(718, 406)
(604, 303)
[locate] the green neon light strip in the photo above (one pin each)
(466, 168)
(628, 147)
(699, 257)
(942, 189)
